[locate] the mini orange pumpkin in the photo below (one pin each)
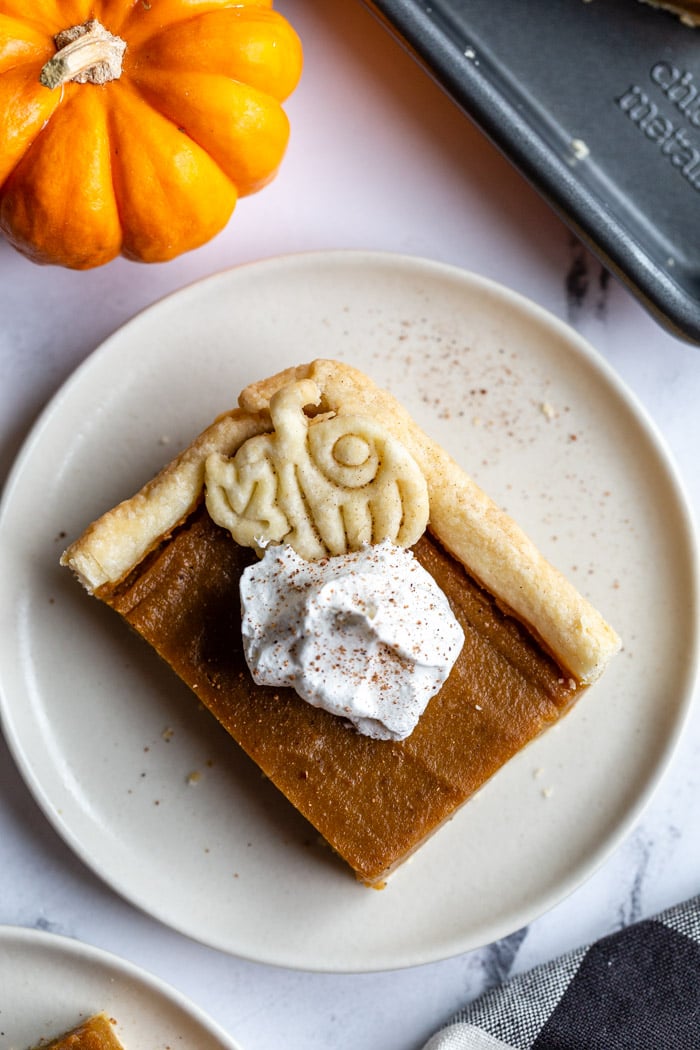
(133, 126)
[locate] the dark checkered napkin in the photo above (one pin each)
(637, 989)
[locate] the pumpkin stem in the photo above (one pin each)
(87, 54)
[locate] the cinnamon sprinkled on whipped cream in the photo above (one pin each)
(368, 636)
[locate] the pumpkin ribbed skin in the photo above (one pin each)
(151, 163)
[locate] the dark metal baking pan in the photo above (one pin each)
(598, 105)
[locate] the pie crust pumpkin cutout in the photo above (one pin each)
(321, 459)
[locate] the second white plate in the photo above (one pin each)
(50, 984)
(147, 788)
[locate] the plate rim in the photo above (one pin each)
(60, 943)
(575, 342)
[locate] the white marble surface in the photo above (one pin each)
(380, 159)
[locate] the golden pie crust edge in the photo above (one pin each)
(689, 13)
(95, 1033)
(479, 534)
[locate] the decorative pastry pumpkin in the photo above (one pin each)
(133, 126)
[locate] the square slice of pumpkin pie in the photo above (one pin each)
(367, 624)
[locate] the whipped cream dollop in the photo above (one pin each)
(368, 636)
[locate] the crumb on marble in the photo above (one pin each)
(579, 149)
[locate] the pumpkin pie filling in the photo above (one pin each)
(375, 801)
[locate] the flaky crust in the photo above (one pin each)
(688, 12)
(466, 521)
(116, 542)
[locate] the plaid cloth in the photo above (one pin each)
(637, 989)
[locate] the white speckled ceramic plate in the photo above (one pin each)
(50, 984)
(108, 739)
